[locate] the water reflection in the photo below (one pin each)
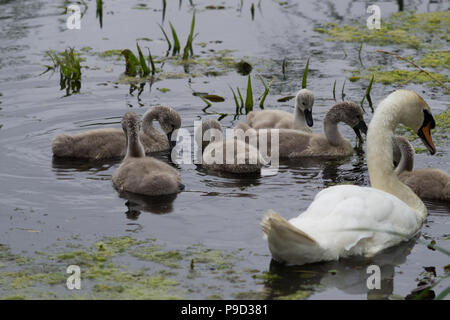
(63, 168)
(136, 203)
(437, 208)
(347, 275)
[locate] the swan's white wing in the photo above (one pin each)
(337, 209)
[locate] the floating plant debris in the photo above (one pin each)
(244, 68)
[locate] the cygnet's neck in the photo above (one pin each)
(134, 146)
(299, 120)
(147, 122)
(380, 155)
(407, 156)
(330, 127)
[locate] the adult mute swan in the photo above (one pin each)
(300, 120)
(140, 174)
(110, 143)
(342, 220)
(433, 184)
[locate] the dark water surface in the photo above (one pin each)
(62, 200)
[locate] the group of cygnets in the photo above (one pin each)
(342, 220)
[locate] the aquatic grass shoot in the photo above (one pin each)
(68, 64)
(150, 60)
(334, 90)
(135, 66)
(248, 103)
(283, 68)
(144, 67)
(164, 4)
(266, 91)
(342, 92)
(188, 50)
(131, 63)
(359, 54)
(249, 96)
(167, 39)
(176, 42)
(305, 75)
(99, 12)
(304, 80)
(367, 95)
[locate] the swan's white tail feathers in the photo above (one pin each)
(276, 225)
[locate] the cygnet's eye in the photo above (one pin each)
(303, 103)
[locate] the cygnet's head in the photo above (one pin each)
(209, 130)
(131, 124)
(351, 114)
(303, 103)
(168, 119)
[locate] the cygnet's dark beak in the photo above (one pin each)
(172, 143)
(308, 117)
(360, 127)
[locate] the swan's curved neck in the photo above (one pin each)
(299, 119)
(330, 127)
(134, 145)
(147, 122)
(380, 155)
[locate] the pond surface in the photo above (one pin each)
(54, 206)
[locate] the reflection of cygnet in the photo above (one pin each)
(242, 157)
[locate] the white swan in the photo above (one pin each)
(110, 143)
(140, 174)
(342, 220)
(278, 119)
(245, 158)
(427, 183)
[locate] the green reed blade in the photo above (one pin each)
(176, 42)
(334, 90)
(249, 96)
(188, 47)
(150, 59)
(145, 70)
(305, 75)
(166, 37)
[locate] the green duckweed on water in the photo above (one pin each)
(412, 30)
(397, 76)
(426, 32)
(436, 59)
(125, 268)
(298, 295)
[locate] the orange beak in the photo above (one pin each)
(425, 134)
